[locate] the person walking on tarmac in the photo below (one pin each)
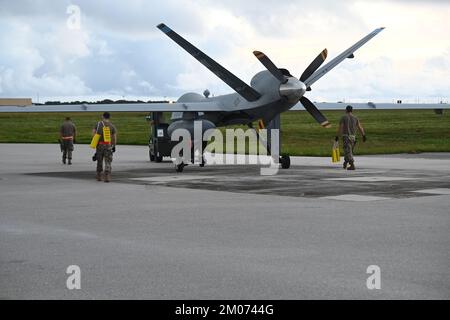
(105, 147)
(347, 128)
(67, 136)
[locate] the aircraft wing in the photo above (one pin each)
(344, 55)
(125, 107)
(372, 105)
(230, 79)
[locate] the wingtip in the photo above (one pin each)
(378, 30)
(163, 28)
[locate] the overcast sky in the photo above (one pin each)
(116, 49)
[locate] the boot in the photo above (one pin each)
(107, 177)
(345, 165)
(64, 160)
(70, 162)
(99, 176)
(352, 166)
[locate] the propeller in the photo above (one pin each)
(296, 88)
(317, 62)
(314, 112)
(270, 66)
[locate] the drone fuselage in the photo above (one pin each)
(275, 99)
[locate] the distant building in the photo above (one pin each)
(21, 102)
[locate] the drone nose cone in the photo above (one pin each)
(302, 88)
(293, 89)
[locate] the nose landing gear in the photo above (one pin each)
(180, 167)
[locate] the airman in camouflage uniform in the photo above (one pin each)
(105, 149)
(347, 128)
(67, 136)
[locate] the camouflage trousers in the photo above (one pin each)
(104, 153)
(349, 145)
(67, 148)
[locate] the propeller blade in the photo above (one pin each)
(317, 62)
(316, 114)
(270, 66)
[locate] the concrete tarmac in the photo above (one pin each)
(222, 232)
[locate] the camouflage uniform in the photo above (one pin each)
(68, 133)
(67, 147)
(104, 151)
(349, 144)
(349, 126)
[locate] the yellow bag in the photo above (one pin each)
(94, 141)
(106, 134)
(335, 153)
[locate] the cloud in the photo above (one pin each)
(27, 69)
(118, 51)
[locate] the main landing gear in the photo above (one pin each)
(179, 167)
(285, 161)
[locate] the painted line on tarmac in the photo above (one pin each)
(441, 191)
(372, 179)
(355, 198)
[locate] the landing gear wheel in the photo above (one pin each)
(285, 161)
(180, 167)
(202, 164)
(157, 158)
(152, 156)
